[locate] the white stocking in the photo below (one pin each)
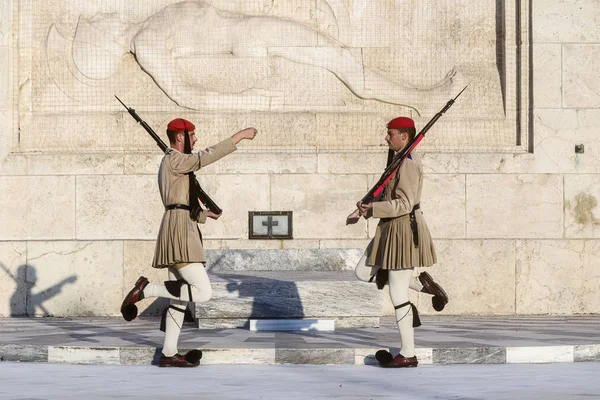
(415, 284)
(198, 285)
(363, 271)
(399, 281)
(197, 280)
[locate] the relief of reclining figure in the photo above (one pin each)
(194, 29)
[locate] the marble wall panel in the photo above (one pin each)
(5, 140)
(557, 132)
(355, 130)
(297, 129)
(137, 261)
(142, 164)
(581, 78)
(352, 162)
(236, 195)
(13, 285)
(37, 207)
(565, 21)
(514, 206)
(547, 75)
(443, 204)
(317, 201)
(118, 207)
(478, 163)
(75, 164)
(477, 275)
(582, 214)
(74, 278)
(50, 133)
(4, 77)
(558, 277)
(5, 21)
(268, 163)
(344, 244)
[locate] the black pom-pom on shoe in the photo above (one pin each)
(384, 357)
(438, 303)
(193, 356)
(129, 312)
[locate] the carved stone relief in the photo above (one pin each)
(372, 59)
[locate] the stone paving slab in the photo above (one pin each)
(440, 340)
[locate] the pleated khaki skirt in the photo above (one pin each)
(178, 240)
(393, 246)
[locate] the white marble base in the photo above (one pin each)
(292, 325)
(545, 354)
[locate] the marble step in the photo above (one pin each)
(326, 295)
(231, 260)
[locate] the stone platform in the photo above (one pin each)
(330, 295)
(440, 340)
(283, 284)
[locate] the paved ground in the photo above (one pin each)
(574, 381)
(440, 340)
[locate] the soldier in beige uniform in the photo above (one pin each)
(402, 241)
(179, 243)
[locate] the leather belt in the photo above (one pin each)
(413, 224)
(178, 207)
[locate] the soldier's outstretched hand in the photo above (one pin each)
(248, 133)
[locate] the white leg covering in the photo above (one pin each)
(364, 272)
(173, 321)
(399, 282)
(196, 277)
(198, 285)
(173, 324)
(415, 284)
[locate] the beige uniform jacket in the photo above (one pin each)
(393, 246)
(179, 239)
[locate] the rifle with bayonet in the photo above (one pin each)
(397, 161)
(201, 194)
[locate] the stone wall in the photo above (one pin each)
(517, 232)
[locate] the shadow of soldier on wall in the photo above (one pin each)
(28, 299)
